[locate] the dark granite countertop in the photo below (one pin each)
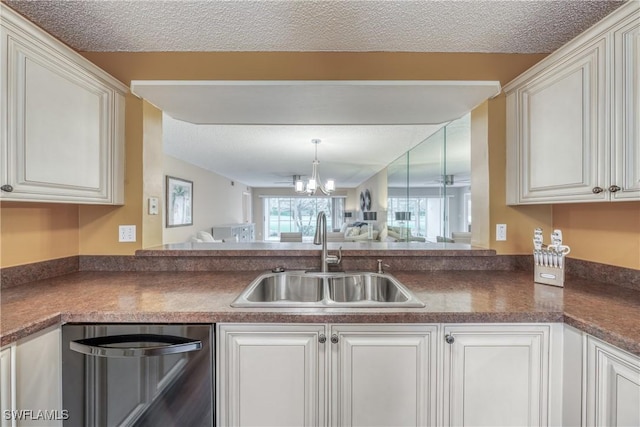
(609, 312)
(364, 248)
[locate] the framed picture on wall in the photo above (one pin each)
(179, 199)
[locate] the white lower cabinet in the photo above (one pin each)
(270, 375)
(612, 386)
(7, 385)
(496, 375)
(315, 375)
(383, 375)
(37, 369)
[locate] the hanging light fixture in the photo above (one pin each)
(314, 184)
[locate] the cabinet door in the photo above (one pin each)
(63, 128)
(496, 375)
(613, 386)
(626, 138)
(270, 375)
(39, 378)
(557, 141)
(7, 386)
(383, 375)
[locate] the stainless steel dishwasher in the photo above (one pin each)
(137, 375)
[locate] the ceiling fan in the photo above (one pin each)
(288, 179)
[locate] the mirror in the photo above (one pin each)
(429, 193)
(256, 133)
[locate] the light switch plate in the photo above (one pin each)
(501, 232)
(127, 233)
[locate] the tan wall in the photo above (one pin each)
(480, 196)
(153, 173)
(127, 66)
(98, 224)
(608, 233)
(520, 220)
(37, 231)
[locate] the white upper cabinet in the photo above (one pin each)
(62, 121)
(572, 119)
(626, 110)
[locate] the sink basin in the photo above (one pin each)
(365, 287)
(313, 289)
(285, 288)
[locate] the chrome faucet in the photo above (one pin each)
(321, 239)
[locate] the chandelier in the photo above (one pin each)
(314, 183)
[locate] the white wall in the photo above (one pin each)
(377, 186)
(215, 199)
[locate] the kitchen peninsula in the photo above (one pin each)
(176, 285)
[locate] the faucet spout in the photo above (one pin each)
(320, 238)
(321, 229)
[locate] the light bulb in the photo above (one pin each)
(331, 185)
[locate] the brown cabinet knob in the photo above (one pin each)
(597, 190)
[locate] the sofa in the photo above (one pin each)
(359, 232)
(291, 236)
(402, 234)
(461, 237)
(204, 237)
(356, 232)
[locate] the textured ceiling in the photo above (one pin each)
(511, 26)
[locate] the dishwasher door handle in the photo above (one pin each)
(111, 346)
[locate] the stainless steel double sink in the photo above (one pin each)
(313, 289)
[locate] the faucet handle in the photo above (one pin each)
(333, 259)
(380, 264)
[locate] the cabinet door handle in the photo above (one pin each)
(449, 339)
(614, 188)
(7, 188)
(334, 339)
(322, 338)
(597, 190)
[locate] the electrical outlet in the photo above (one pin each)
(153, 206)
(501, 232)
(127, 233)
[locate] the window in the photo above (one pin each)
(298, 214)
(427, 215)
